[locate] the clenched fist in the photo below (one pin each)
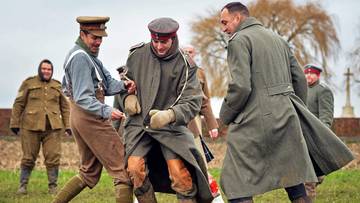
(161, 118)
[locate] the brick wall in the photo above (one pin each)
(346, 127)
(5, 115)
(343, 127)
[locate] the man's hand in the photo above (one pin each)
(161, 118)
(214, 133)
(132, 105)
(117, 115)
(68, 132)
(130, 86)
(15, 130)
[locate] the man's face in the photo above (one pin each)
(311, 78)
(46, 71)
(190, 51)
(229, 21)
(92, 42)
(162, 46)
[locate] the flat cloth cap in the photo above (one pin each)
(163, 28)
(93, 24)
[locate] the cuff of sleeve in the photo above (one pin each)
(107, 111)
(179, 120)
(227, 114)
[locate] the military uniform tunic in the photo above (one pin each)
(320, 102)
(41, 111)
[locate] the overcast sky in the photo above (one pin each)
(33, 30)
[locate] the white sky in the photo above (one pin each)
(33, 30)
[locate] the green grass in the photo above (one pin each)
(342, 186)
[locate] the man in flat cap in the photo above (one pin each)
(87, 82)
(320, 102)
(39, 115)
(160, 151)
(271, 133)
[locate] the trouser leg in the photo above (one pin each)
(136, 167)
(142, 186)
(181, 181)
(51, 145)
(297, 194)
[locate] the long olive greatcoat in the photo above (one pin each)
(159, 82)
(265, 111)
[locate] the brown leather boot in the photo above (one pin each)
(147, 197)
(123, 193)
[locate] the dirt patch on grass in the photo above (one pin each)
(10, 154)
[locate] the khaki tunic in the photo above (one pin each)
(41, 111)
(206, 109)
(37, 100)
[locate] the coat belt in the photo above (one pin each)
(280, 89)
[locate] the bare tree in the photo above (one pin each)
(308, 28)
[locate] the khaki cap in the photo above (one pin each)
(93, 24)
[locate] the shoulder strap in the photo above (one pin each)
(82, 51)
(186, 77)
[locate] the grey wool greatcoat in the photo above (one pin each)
(320, 102)
(264, 108)
(159, 82)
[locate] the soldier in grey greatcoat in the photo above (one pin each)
(270, 131)
(160, 151)
(320, 102)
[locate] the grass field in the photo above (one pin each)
(341, 186)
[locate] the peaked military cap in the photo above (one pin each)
(163, 28)
(93, 24)
(312, 68)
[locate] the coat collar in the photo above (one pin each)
(248, 22)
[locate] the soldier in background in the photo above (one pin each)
(40, 113)
(320, 102)
(195, 125)
(118, 124)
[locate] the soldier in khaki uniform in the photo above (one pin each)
(320, 102)
(40, 113)
(87, 82)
